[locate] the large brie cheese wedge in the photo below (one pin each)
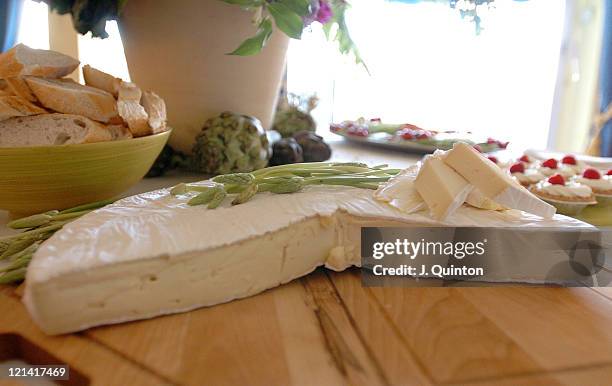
(152, 254)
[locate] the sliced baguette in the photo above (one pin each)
(19, 87)
(23, 60)
(74, 98)
(51, 129)
(119, 132)
(131, 111)
(101, 80)
(155, 108)
(14, 106)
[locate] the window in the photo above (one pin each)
(428, 67)
(34, 26)
(104, 54)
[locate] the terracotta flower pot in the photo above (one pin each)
(179, 49)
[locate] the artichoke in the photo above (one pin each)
(286, 151)
(231, 143)
(313, 146)
(292, 120)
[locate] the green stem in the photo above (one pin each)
(13, 276)
(37, 231)
(91, 206)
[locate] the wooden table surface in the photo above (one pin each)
(326, 329)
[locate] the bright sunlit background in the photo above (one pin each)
(106, 54)
(427, 66)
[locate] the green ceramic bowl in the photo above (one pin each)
(37, 179)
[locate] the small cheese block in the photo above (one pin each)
(493, 182)
(401, 193)
(479, 200)
(18, 86)
(156, 109)
(131, 111)
(101, 80)
(442, 189)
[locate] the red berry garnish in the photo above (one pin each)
(406, 134)
(502, 145)
(424, 134)
(376, 120)
(518, 167)
(493, 159)
(557, 179)
(491, 141)
(609, 173)
(591, 174)
(478, 148)
(550, 163)
(359, 131)
(525, 158)
(569, 160)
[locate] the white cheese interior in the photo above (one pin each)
(152, 254)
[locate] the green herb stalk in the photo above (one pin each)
(16, 251)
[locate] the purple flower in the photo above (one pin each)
(324, 13)
(314, 10)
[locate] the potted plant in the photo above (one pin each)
(194, 52)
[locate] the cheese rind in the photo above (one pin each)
(491, 181)
(400, 191)
(441, 187)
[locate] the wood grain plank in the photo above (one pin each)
(606, 292)
(591, 375)
(452, 339)
(271, 338)
(100, 365)
(350, 355)
(560, 327)
(383, 340)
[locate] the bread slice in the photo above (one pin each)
(74, 98)
(14, 106)
(99, 79)
(131, 111)
(19, 87)
(51, 129)
(155, 108)
(23, 60)
(119, 132)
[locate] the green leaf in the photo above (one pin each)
(301, 7)
(287, 20)
(341, 33)
(255, 44)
